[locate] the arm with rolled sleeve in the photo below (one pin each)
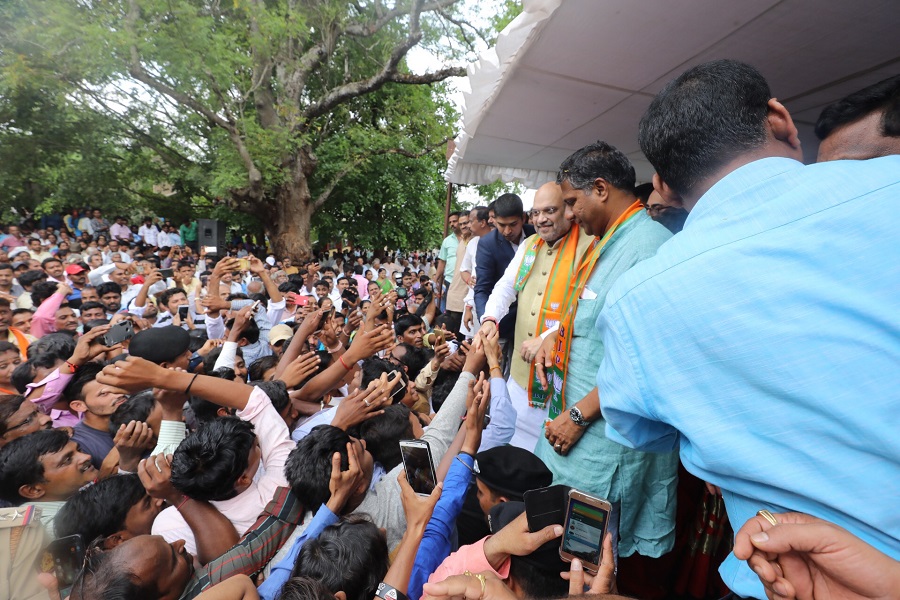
(171, 434)
(271, 587)
(629, 420)
(274, 441)
(227, 356)
(44, 319)
(503, 417)
(435, 545)
(215, 327)
(468, 558)
(260, 316)
(504, 291)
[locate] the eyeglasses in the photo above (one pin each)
(28, 421)
(657, 209)
(536, 212)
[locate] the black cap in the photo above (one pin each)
(546, 558)
(160, 344)
(511, 471)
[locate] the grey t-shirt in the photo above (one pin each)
(94, 442)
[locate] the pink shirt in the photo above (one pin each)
(242, 510)
(54, 384)
(44, 319)
(468, 558)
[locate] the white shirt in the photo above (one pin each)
(149, 234)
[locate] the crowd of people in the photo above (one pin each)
(713, 354)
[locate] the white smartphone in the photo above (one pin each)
(419, 466)
(587, 519)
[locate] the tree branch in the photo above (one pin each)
(136, 70)
(434, 77)
(322, 198)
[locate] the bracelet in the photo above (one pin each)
(184, 500)
(498, 368)
(71, 366)
(341, 358)
(188, 389)
(389, 592)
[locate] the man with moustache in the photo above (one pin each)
(538, 277)
(597, 184)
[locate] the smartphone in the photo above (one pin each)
(118, 333)
(587, 519)
(324, 319)
(546, 506)
(254, 306)
(183, 312)
(298, 299)
(350, 296)
(64, 558)
(244, 264)
(401, 292)
(167, 272)
(419, 466)
(139, 269)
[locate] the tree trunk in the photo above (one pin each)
(289, 231)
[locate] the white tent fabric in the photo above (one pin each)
(568, 72)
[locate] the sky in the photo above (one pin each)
(421, 61)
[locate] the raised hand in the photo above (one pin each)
(132, 374)
(418, 509)
(604, 582)
(343, 484)
(301, 368)
(369, 343)
(90, 346)
(132, 440)
(155, 474)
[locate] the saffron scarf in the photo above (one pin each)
(556, 375)
(561, 272)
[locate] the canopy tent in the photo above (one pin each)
(565, 73)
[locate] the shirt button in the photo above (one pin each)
(533, 313)
(549, 252)
(530, 334)
(540, 293)
(543, 272)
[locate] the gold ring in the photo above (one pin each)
(481, 578)
(768, 516)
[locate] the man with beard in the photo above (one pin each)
(538, 276)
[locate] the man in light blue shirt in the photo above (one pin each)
(764, 339)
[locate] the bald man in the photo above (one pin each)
(538, 276)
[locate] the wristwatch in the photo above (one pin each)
(577, 417)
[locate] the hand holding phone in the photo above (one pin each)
(419, 466)
(587, 519)
(118, 333)
(63, 558)
(183, 312)
(546, 506)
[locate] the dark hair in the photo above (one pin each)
(99, 510)
(95, 323)
(480, 213)
(304, 588)
(6, 267)
(374, 367)
(350, 556)
(9, 404)
(259, 366)
(42, 290)
(108, 288)
(136, 408)
(20, 461)
(250, 332)
(308, 467)
(207, 463)
(443, 385)
(883, 96)
(595, 160)
(406, 321)
(535, 582)
(196, 339)
(703, 119)
(209, 362)
(166, 295)
(92, 305)
(508, 205)
(643, 191)
(85, 374)
(29, 278)
(57, 345)
(383, 433)
(415, 359)
(276, 391)
(49, 260)
(22, 375)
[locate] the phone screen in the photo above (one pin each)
(583, 534)
(546, 506)
(183, 311)
(167, 272)
(419, 468)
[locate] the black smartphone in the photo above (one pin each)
(350, 296)
(63, 558)
(118, 333)
(324, 319)
(183, 311)
(167, 272)
(546, 506)
(419, 465)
